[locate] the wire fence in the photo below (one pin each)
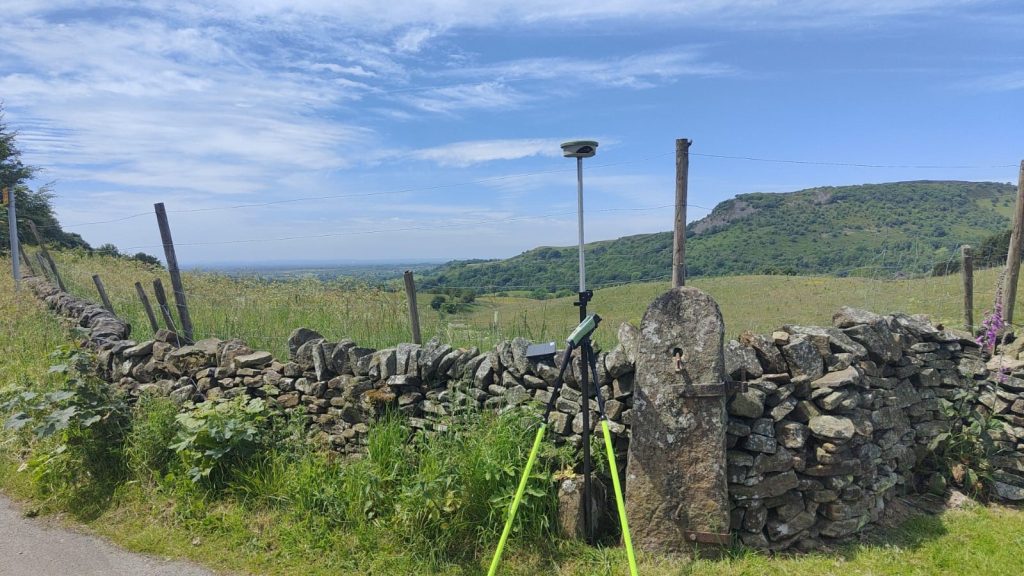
(263, 311)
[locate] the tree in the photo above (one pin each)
(108, 250)
(32, 205)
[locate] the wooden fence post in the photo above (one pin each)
(46, 255)
(103, 293)
(47, 275)
(1013, 256)
(967, 269)
(25, 259)
(145, 304)
(161, 300)
(172, 268)
(414, 316)
(679, 245)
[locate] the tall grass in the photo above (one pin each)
(264, 313)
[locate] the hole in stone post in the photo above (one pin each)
(677, 355)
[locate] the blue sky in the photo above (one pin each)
(325, 130)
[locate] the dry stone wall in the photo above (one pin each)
(837, 421)
(344, 387)
(834, 424)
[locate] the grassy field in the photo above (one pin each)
(264, 313)
(259, 526)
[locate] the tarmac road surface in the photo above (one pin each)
(38, 547)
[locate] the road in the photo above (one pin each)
(40, 547)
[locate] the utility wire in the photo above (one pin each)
(531, 174)
(851, 164)
(402, 229)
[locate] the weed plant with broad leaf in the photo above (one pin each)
(963, 454)
(215, 437)
(77, 434)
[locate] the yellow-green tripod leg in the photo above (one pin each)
(515, 501)
(619, 502)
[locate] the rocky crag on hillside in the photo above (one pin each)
(835, 422)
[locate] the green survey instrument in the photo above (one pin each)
(579, 338)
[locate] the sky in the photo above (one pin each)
(329, 130)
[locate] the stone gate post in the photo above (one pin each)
(676, 486)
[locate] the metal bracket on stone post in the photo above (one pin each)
(676, 485)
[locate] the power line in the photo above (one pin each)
(851, 164)
(402, 229)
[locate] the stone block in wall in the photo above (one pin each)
(749, 404)
(629, 341)
(304, 354)
(848, 377)
(339, 359)
(767, 352)
(779, 461)
(804, 411)
(622, 386)
(791, 434)
(229, 350)
(832, 427)
(298, 337)
(188, 359)
(828, 340)
(782, 530)
(252, 360)
(1012, 383)
(322, 360)
(430, 358)
(759, 443)
(741, 361)
(509, 380)
(518, 364)
(359, 359)
(879, 341)
(773, 485)
(141, 349)
(383, 364)
(617, 362)
(803, 359)
(483, 376)
(407, 359)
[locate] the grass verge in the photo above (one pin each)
(431, 507)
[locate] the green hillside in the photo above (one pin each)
(876, 230)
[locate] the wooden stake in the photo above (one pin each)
(46, 255)
(165, 310)
(679, 244)
(1013, 256)
(42, 266)
(967, 270)
(414, 316)
(172, 268)
(145, 304)
(103, 293)
(25, 259)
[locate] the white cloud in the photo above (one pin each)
(462, 154)
(414, 40)
(1000, 82)
(634, 71)
(478, 96)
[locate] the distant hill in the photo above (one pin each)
(868, 230)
